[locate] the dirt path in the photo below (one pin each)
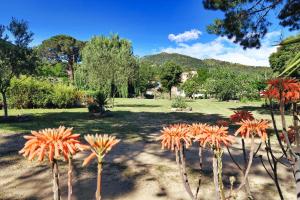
(134, 170)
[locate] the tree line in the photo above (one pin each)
(108, 65)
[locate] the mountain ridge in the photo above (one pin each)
(188, 62)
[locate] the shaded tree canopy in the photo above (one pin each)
(284, 54)
(170, 75)
(247, 22)
(15, 56)
(61, 48)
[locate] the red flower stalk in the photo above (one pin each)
(53, 143)
(253, 127)
(240, 115)
(100, 145)
(215, 136)
(224, 123)
(173, 136)
(291, 135)
(283, 89)
(196, 129)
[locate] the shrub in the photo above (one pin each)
(100, 98)
(64, 96)
(29, 92)
(179, 102)
(94, 108)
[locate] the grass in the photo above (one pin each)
(130, 118)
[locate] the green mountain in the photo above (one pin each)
(190, 63)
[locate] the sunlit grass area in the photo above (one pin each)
(129, 117)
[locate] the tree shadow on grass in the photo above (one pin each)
(138, 105)
(261, 110)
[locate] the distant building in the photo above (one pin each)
(184, 77)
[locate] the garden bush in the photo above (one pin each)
(30, 92)
(64, 96)
(179, 102)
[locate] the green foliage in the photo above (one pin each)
(64, 96)
(286, 52)
(61, 48)
(189, 63)
(170, 75)
(179, 102)
(16, 57)
(29, 92)
(147, 76)
(108, 64)
(247, 22)
(202, 75)
(191, 86)
(57, 70)
(100, 98)
(226, 84)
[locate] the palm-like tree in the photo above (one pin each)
(293, 64)
(100, 145)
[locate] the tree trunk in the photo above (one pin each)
(170, 94)
(215, 171)
(55, 177)
(70, 172)
(4, 104)
(98, 192)
(70, 70)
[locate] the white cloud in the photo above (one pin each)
(224, 49)
(186, 36)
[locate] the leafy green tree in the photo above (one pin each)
(108, 64)
(170, 76)
(15, 55)
(191, 87)
(202, 75)
(247, 22)
(147, 76)
(61, 48)
(284, 54)
(226, 84)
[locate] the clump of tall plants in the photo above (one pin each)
(216, 138)
(54, 144)
(61, 144)
(283, 91)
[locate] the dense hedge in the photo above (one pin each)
(29, 92)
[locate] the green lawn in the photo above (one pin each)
(138, 166)
(130, 117)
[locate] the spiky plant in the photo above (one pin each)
(252, 128)
(176, 138)
(52, 144)
(100, 145)
(240, 115)
(215, 137)
(194, 130)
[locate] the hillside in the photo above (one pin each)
(191, 63)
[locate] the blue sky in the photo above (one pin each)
(147, 23)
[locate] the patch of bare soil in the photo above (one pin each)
(134, 170)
